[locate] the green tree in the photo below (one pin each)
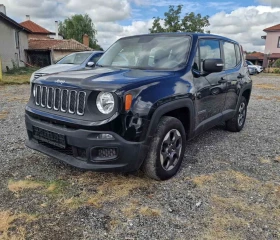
(277, 63)
(78, 25)
(173, 22)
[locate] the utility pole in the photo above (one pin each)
(1, 75)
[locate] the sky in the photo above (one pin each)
(241, 20)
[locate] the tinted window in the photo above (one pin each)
(209, 49)
(230, 56)
(95, 57)
(148, 52)
(238, 54)
(74, 58)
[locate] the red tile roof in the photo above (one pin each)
(275, 55)
(34, 28)
(255, 56)
(274, 28)
(55, 44)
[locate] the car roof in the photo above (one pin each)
(198, 35)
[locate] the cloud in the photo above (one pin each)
(118, 18)
(245, 25)
(272, 3)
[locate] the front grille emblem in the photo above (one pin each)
(60, 81)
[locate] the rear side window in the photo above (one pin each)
(238, 54)
(230, 55)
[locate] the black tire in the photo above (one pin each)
(234, 124)
(154, 163)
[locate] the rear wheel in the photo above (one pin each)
(237, 123)
(167, 150)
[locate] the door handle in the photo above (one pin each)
(240, 76)
(223, 80)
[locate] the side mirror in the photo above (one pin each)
(90, 64)
(213, 65)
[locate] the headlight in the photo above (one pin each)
(32, 77)
(105, 102)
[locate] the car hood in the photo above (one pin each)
(56, 68)
(109, 79)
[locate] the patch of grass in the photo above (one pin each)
(150, 212)
(3, 114)
(7, 223)
(238, 201)
(265, 160)
(266, 86)
(130, 210)
(113, 224)
(115, 188)
(202, 179)
(50, 187)
(74, 202)
(15, 79)
(258, 97)
(18, 186)
(56, 187)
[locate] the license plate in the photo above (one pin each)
(47, 136)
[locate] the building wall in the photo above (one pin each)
(57, 55)
(8, 49)
(271, 43)
(43, 36)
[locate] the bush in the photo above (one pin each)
(277, 63)
(276, 70)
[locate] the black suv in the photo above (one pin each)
(146, 97)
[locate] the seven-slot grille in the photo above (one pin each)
(60, 99)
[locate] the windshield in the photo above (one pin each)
(249, 63)
(147, 52)
(74, 58)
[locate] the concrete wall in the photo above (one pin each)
(271, 43)
(8, 49)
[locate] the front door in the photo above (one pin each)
(210, 91)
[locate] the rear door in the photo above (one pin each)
(236, 73)
(210, 92)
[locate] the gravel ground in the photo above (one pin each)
(228, 187)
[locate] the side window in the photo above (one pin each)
(230, 56)
(95, 57)
(238, 54)
(209, 49)
(196, 65)
(17, 38)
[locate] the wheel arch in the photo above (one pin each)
(182, 109)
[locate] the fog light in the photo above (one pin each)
(105, 136)
(104, 154)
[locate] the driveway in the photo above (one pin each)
(228, 187)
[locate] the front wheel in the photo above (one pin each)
(236, 124)
(167, 149)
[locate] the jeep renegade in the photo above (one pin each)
(146, 97)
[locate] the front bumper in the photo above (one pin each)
(129, 157)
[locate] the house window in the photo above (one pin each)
(278, 45)
(17, 39)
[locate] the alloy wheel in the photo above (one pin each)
(171, 149)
